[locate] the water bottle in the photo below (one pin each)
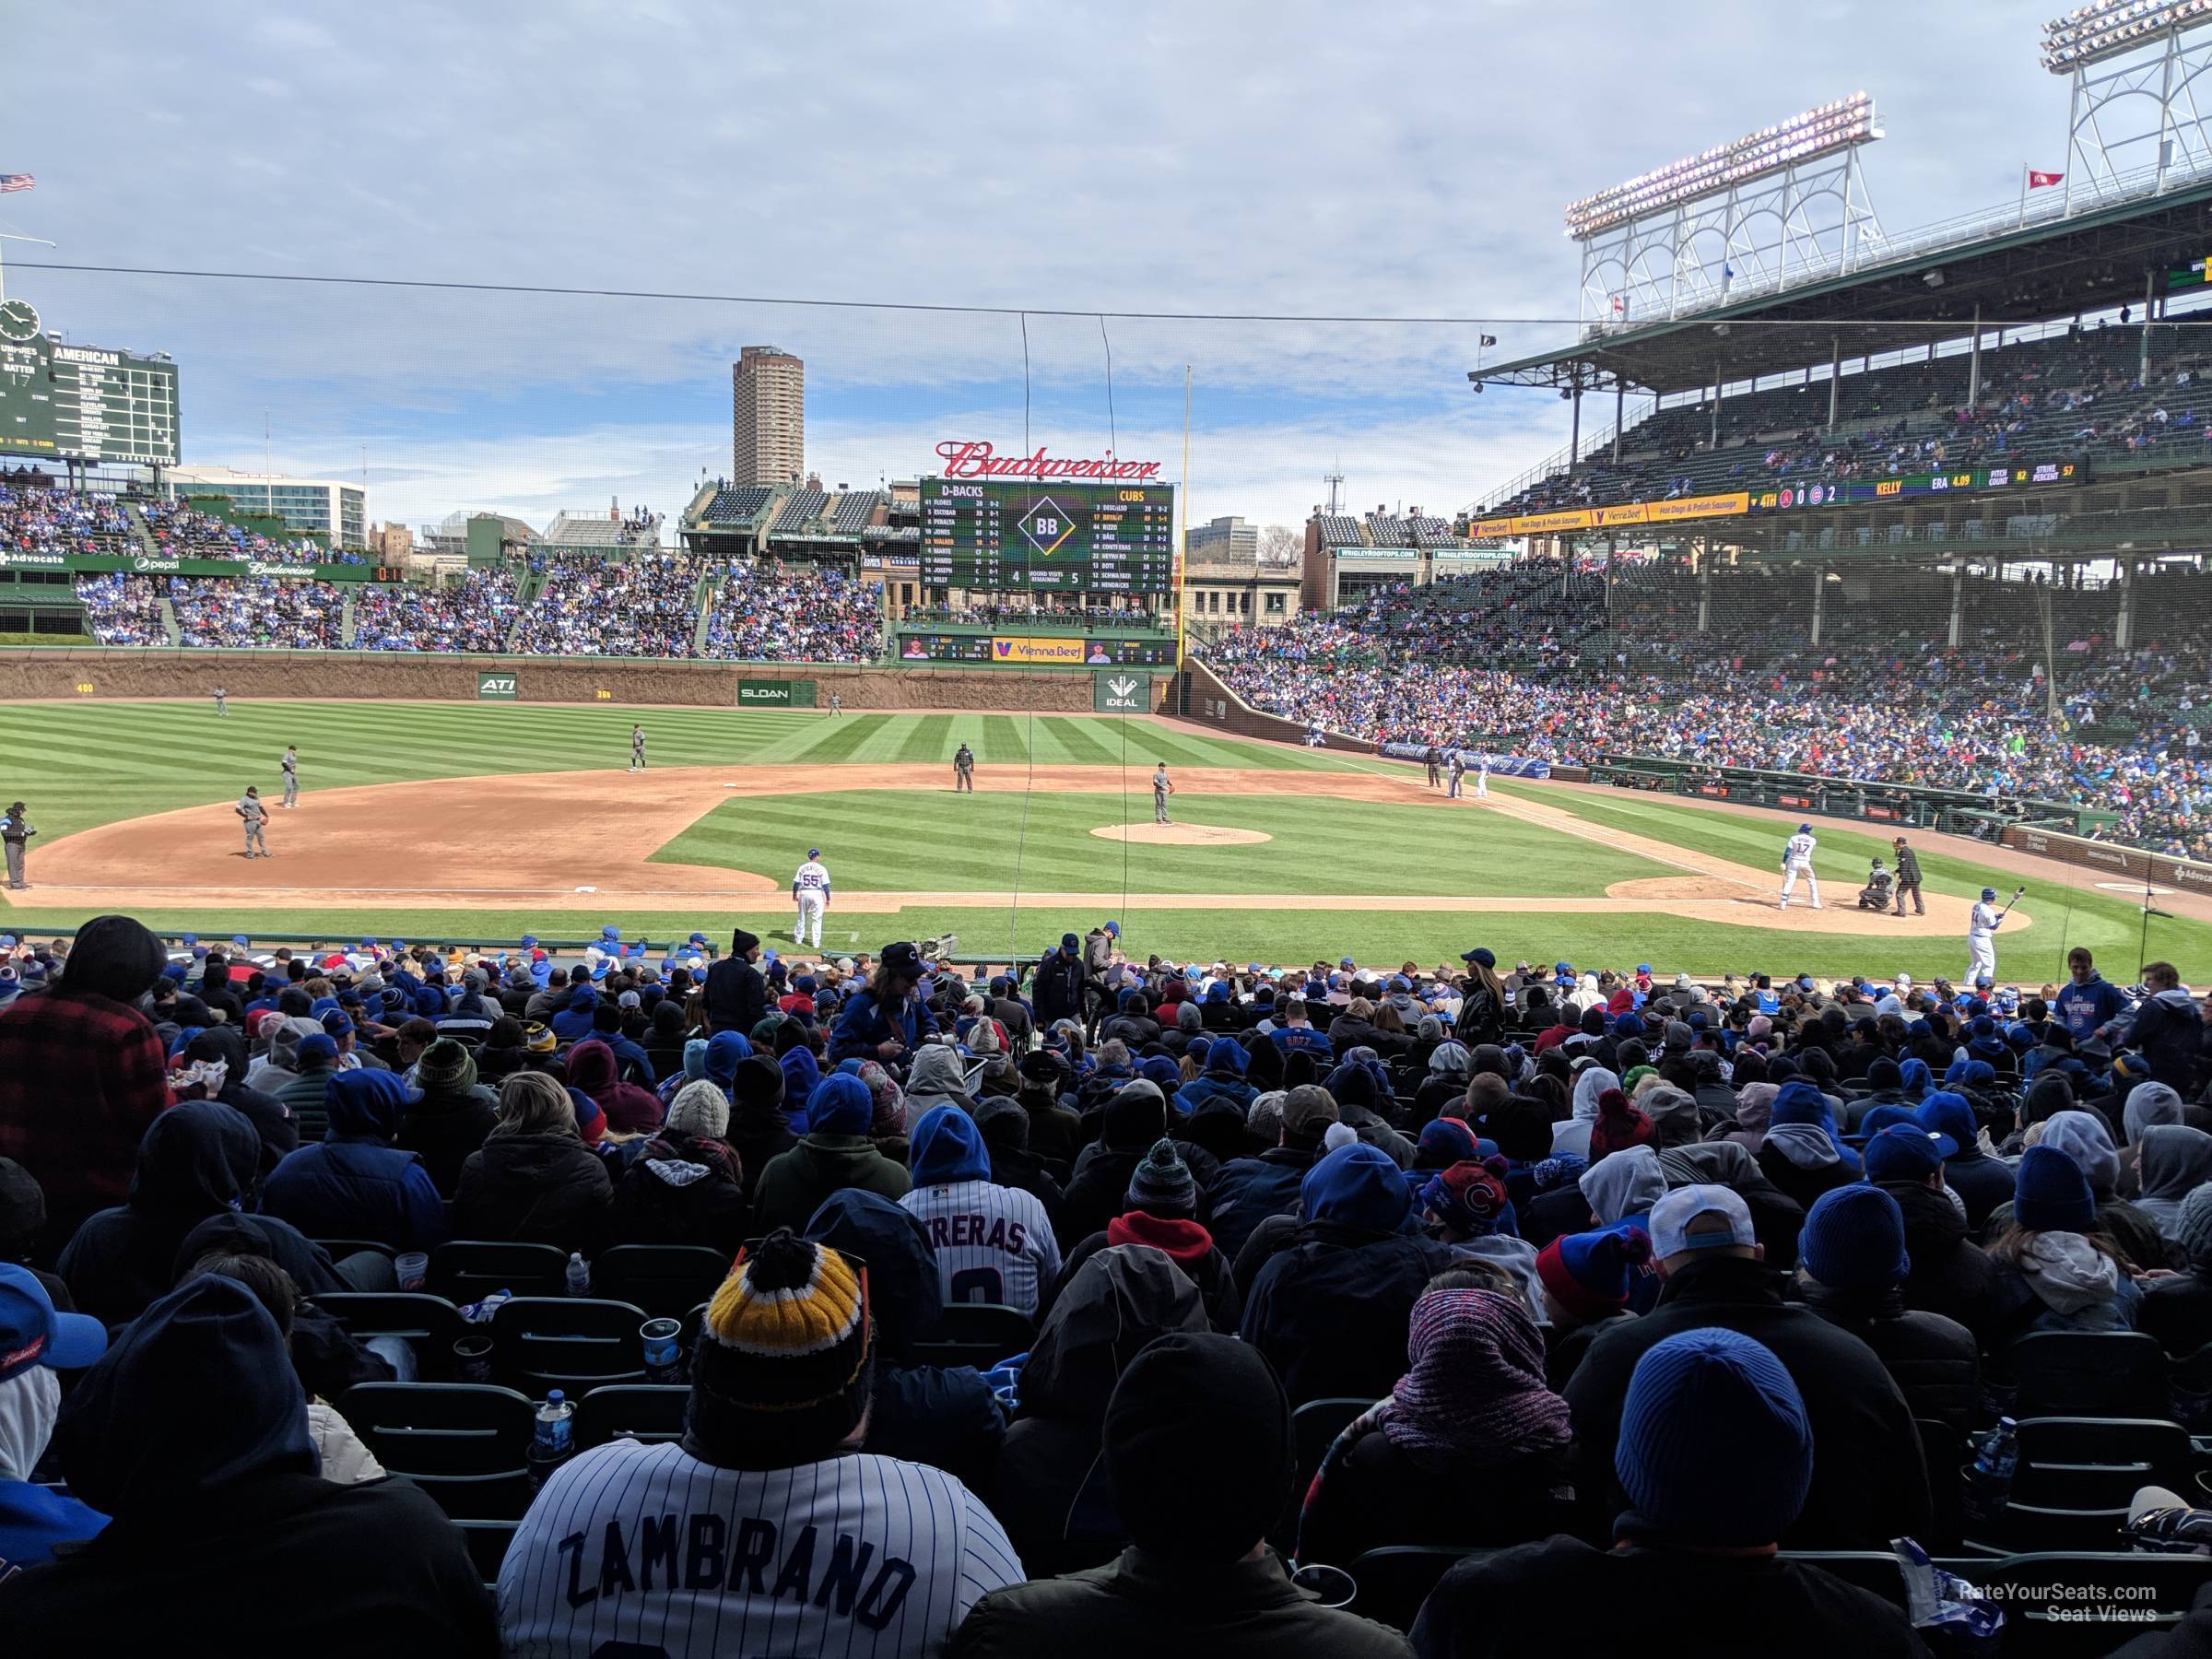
(1989, 1481)
(579, 1275)
(552, 1437)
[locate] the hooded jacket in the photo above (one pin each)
(1870, 1482)
(760, 1130)
(2083, 1136)
(1129, 1122)
(1329, 1310)
(629, 1109)
(357, 1184)
(982, 1228)
(1249, 1190)
(2075, 1286)
(197, 1161)
(1050, 1492)
(1222, 1080)
(1933, 1359)
(1185, 1243)
(573, 1023)
(442, 1126)
(795, 1182)
(2166, 1030)
(192, 1432)
(936, 1078)
(1573, 1135)
(679, 1189)
(538, 1189)
(2174, 1161)
(943, 1416)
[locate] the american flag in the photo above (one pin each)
(15, 182)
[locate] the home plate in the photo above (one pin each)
(589, 889)
(1181, 835)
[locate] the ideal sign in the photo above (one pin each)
(970, 458)
(1122, 693)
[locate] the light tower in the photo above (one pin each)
(2131, 123)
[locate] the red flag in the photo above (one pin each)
(2041, 181)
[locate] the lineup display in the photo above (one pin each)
(992, 534)
(85, 403)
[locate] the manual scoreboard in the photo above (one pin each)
(987, 534)
(81, 402)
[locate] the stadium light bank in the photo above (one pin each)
(2112, 28)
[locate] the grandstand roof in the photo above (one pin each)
(2093, 260)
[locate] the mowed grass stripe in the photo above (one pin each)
(929, 739)
(1080, 745)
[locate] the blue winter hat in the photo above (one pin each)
(1916, 1075)
(841, 1104)
(1630, 1024)
(1692, 1397)
(318, 1047)
(1885, 1117)
(1901, 1152)
(1800, 1102)
(2049, 1193)
(1358, 1186)
(1226, 1056)
(1854, 1239)
(1951, 1119)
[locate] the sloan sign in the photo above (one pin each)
(970, 458)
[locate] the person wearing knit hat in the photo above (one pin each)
(1619, 1125)
(1468, 1200)
(780, 1382)
(1715, 1455)
(699, 1109)
(1161, 1213)
(686, 1186)
(1199, 1575)
(2056, 1247)
(1851, 1261)
(1587, 1280)
(1162, 1184)
(985, 1235)
(2177, 1308)
(835, 1152)
(1472, 1413)
(1801, 1153)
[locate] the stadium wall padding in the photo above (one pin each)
(76, 675)
(2135, 864)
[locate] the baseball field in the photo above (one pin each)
(459, 821)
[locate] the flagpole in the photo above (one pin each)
(2023, 225)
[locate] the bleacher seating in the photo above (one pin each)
(856, 510)
(799, 512)
(738, 504)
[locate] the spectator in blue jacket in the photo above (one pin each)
(357, 1184)
(573, 1023)
(887, 1020)
(2090, 1002)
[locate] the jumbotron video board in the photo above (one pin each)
(1023, 536)
(81, 402)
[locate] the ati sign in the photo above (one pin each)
(1122, 693)
(775, 694)
(495, 687)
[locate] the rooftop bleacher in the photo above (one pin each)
(856, 510)
(737, 504)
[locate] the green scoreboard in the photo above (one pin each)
(79, 402)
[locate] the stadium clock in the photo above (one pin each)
(18, 320)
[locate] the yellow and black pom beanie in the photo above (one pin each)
(782, 1368)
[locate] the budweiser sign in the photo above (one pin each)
(970, 458)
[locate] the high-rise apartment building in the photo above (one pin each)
(767, 417)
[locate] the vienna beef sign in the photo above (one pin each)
(970, 458)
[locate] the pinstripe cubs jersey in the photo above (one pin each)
(640, 1552)
(993, 1243)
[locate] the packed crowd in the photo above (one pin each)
(34, 520)
(589, 604)
(123, 609)
(184, 532)
(1878, 701)
(1644, 1279)
(475, 613)
(759, 613)
(2085, 395)
(258, 612)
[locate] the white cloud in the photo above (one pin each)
(1146, 155)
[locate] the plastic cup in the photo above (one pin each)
(662, 1350)
(471, 1358)
(413, 1268)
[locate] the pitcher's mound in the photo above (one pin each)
(1181, 835)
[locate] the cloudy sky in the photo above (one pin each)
(1376, 160)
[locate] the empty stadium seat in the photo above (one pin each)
(467, 1444)
(430, 1324)
(1392, 1583)
(639, 1411)
(566, 1342)
(2080, 1373)
(1874, 1570)
(2100, 1462)
(977, 1333)
(2051, 1600)
(666, 1280)
(468, 1270)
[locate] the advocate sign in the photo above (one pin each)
(973, 458)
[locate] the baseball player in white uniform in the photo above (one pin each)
(993, 1244)
(810, 892)
(289, 766)
(1482, 780)
(1981, 926)
(1797, 860)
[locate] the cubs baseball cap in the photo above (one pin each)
(900, 958)
(1672, 1217)
(32, 1333)
(1481, 954)
(814, 851)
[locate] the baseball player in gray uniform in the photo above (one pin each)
(14, 830)
(637, 748)
(290, 766)
(1161, 790)
(1459, 772)
(256, 812)
(222, 703)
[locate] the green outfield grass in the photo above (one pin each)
(83, 764)
(878, 840)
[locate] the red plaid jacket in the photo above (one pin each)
(81, 1077)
